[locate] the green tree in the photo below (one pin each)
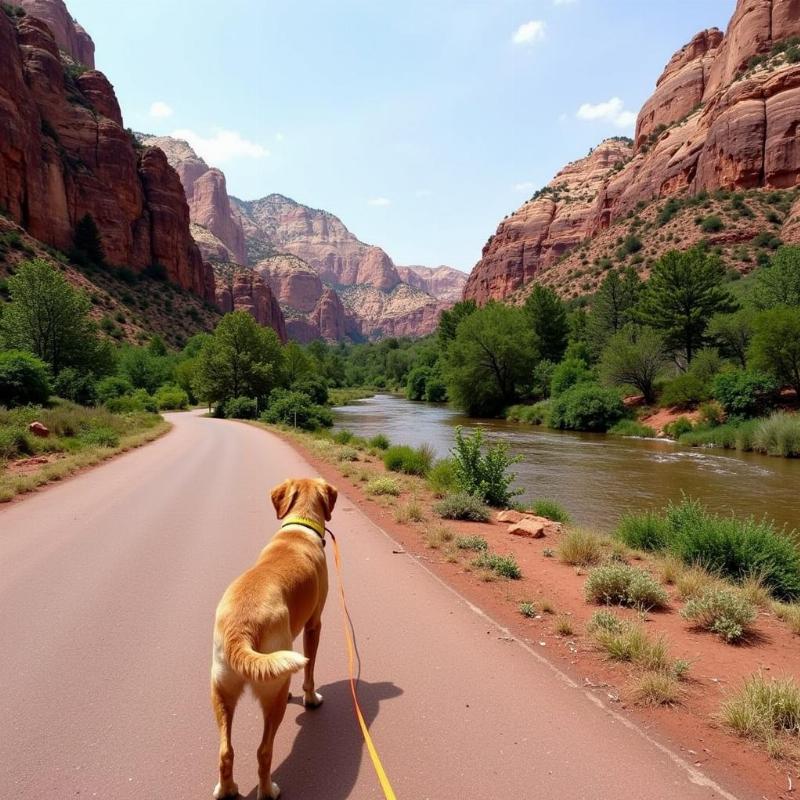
(732, 334)
(24, 379)
(241, 359)
(143, 368)
(297, 363)
(490, 362)
(87, 245)
(684, 292)
(450, 319)
(776, 345)
(613, 305)
(50, 319)
(634, 357)
(547, 315)
(417, 383)
(779, 283)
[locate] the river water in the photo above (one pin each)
(597, 478)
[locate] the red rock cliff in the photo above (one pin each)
(69, 35)
(241, 289)
(64, 154)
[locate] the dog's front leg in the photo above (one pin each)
(311, 632)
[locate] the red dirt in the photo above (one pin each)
(663, 416)
(716, 667)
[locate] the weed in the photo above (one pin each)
(722, 612)
(619, 583)
(437, 536)
(475, 543)
(580, 548)
(656, 689)
(504, 566)
(383, 486)
(462, 506)
(527, 610)
(564, 626)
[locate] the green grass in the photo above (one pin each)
(621, 584)
(631, 427)
(442, 477)
(475, 543)
(723, 612)
(463, 506)
(778, 435)
(550, 509)
(409, 460)
(380, 442)
(504, 566)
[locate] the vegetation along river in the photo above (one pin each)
(597, 477)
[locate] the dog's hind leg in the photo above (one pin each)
(224, 698)
(273, 703)
(311, 633)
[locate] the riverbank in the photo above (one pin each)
(557, 615)
(78, 438)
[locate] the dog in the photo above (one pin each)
(259, 617)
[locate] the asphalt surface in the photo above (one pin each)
(108, 585)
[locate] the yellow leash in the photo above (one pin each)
(373, 753)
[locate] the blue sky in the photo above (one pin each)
(420, 123)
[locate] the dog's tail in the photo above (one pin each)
(257, 666)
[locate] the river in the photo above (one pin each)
(595, 477)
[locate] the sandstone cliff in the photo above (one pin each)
(241, 289)
(444, 283)
(69, 35)
(64, 154)
(724, 116)
(207, 195)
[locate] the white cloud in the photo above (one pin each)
(160, 110)
(612, 111)
(524, 186)
(379, 201)
(222, 146)
(529, 32)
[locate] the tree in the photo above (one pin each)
(684, 291)
(634, 357)
(50, 319)
(490, 362)
(417, 382)
(776, 345)
(143, 368)
(779, 283)
(23, 379)
(241, 359)
(296, 363)
(87, 245)
(613, 305)
(547, 315)
(450, 319)
(732, 334)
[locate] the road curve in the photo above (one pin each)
(108, 584)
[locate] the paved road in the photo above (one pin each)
(108, 585)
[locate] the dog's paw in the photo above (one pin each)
(312, 700)
(229, 790)
(274, 794)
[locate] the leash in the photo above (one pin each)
(388, 792)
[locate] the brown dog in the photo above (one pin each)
(259, 617)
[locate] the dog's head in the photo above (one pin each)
(304, 496)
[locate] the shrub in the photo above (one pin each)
(383, 486)
(100, 437)
(79, 387)
(631, 644)
(475, 543)
(170, 398)
(296, 408)
(763, 709)
(712, 414)
(14, 443)
(743, 393)
(586, 407)
(722, 612)
(460, 505)
(140, 400)
(580, 548)
(712, 224)
(678, 428)
(239, 408)
(570, 372)
(537, 414)
(436, 390)
(632, 427)
(630, 586)
(380, 442)
(24, 379)
(647, 531)
(343, 437)
(410, 460)
(605, 621)
(550, 509)
(779, 435)
(484, 475)
(504, 566)
(112, 387)
(527, 609)
(442, 476)
(314, 386)
(685, 391)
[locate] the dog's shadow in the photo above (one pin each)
(326, 754)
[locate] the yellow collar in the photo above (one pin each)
(305, 522)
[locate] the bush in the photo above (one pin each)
(436, 390)
(140, 400)
(380, 442)
(476, 543)
(484, 475)
(383, 486)
(550, 509)
(409, 460)
(240, 408)
(296, 408)
(745, 394)
(460, 505)
(580, 548)
(504, 566)
(24, 379)
(78, 387)
(779, 435)
(537, 414)
(442, 476)
(586, 407)
(173, 398)
(14, 443)
(315, 387)
(569, 373)
(624, 585)
(712, 224)
(678, 428)
(343, 437)
(632, 427)
(685, 391)
(647, 531)
(112, 387)
(722, 612)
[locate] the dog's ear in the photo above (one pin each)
(283, 497)
(329, 495)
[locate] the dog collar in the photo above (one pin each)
(305, 522)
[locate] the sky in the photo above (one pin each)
(420, 123)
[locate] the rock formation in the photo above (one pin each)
(241, 289)
(206, 193)
(444, 283)
(65, 154)
(724, 115)
(69, 35)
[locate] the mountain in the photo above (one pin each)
(64, 153)
(70, 37)
(443, 283)
(718, 136)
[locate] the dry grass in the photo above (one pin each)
(694, 581)
(670, 569)
(547, 606)
(755, 592)
(564, 626)
(656, 689)
(788, 613)
(410, 512)
(580, 548)
(437, 536)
